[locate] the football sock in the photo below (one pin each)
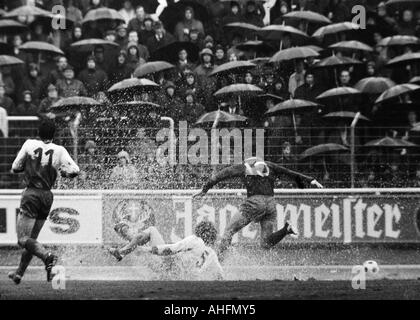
(139, 240)
(276, 237)
(35, 248)
(25, 260)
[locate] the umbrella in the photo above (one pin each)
(38, 46)
(399, 40)
(152, 67)
(105, 14)
(323, 149)
(269, 96)
(220, 116)
(233, 67)
(338, 92)
(10, 27)
(246, 30)
(256, 46)
(344, 115)
(397, 91)
(334, 62)
(134, 83)
(388, 142)
(238, 90)
(170, 52)
(89, 45)
(415, 80)
(28, 11)
(315, 48)
(138, 104)
(294, 53)
(174, 13)
(292, 106)
(308, 16)
(277, 32)
(75, 103)
(9, 61)
(335, 28)
(404, 59)
(352, 45)
(374, 85)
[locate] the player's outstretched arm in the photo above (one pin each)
(299, 177)
(227, 173)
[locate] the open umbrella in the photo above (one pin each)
(246, 30)
(335, 62)
(134, 83)
(174, 13)
(352, 46)
(256, 46)
(238, 89)
(390, 143)
(142, 105)
(6, 60)
(344, 115)
(103, 14)
(294, 53)
(404, 59)
(152, 67)
(292, 107)
(74, 103)
(10, 27)
(28, 11)
(399, 40)
(338, 92)
(323, 149)
(397, 91)
(415, 80)
(39, 46)
(89, 45)
(308, 16)
(335, 29)
(220, 116)
(374, 85)
(169, 53)
(402, 4)
(277, 32)
(233, 67)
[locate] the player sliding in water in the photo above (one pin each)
(40, 161)
(258, 177)
(194, 252)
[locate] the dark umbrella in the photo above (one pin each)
(238, 90)
(352, 45)
(10, 27)
(170, 52)
(335, 62)
(374, 85)
(406, 59)
(233, 67)
(243, 29)
(89, 45)
(103, 14)
(28, 12)
(9, 61)
(277, 32)
(256, 46)
(397, 91)
(142, 105)
(308, 16)
(39, 46)
(415, 80)
(323, 149)
(152, 67)
(338, 92)
(294, 53)
(134, 83)
(335, 28)
(74, 103)
(402, 4)
(174, 13)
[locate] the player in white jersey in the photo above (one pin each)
(40, 161)
(193, 255)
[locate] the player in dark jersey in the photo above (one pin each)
(258, 177)
(40, 161)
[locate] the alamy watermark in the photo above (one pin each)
(368, 270)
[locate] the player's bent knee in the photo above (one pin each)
(22, 241)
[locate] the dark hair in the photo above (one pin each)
(206, 231)
(46, 130)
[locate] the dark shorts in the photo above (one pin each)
(36, 203)
(258, 208)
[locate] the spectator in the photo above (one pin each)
(220, 55)
(183, 63)
(309, 90)
(73, 13)
(205, 68)
(58, 72)
(69, 86)
(345, 79)
(133, 59)
(169, 100)
(147, 32)
(160, 39)
(297, 78)
(9, 83)
(253, 15)
(124, 175)
(191, 109)
(183, 28)
(94, 79)
(142, 50)
(137, 23)
(27, 108)
(234, 14)
(90, 164)
(45, 107)
(4, 124)
(122, 36)
(33, 83)
(127, 11)
(408, 25)
(122, 70)
(5, 102)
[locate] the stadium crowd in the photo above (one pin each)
(106, 42)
